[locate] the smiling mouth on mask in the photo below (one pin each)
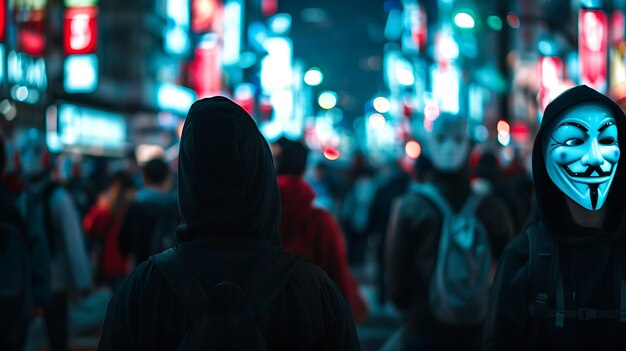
(590, 172)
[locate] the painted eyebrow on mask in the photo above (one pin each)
(577, 125)
(605, 126)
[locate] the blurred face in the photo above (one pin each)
(581, 154)
(449, 149)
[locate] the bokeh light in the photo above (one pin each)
(313, 77)
(413, 149)
(327, 100)
(377, 121)
(381, 104)
(464, 19)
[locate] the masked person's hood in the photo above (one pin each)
(553, 210)
(226, 182)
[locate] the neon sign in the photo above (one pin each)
(592, 47)
(81, 30)
(26, 70)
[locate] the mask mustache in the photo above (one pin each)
(588, 172)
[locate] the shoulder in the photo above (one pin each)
(517, 249)
(413, 204)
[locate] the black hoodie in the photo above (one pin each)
(586, 256)
(230, 209)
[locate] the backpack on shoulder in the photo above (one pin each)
(546, 282)
(459, 286)
(231, 315)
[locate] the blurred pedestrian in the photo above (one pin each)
(312, 231)
(356, 206)
(421, 277)
(561, 284)
(15, 285)
(394, 183)
(230, 211)
(60, 263)
(103, 223)
(152, 217)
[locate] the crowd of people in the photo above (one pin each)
(475, 255)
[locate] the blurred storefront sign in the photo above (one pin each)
(81, 129)
(30, 24)
(80, 41)
(176, 32)
(206, 68)
(81, 30)
(550, 75)
(592, 47)
(27, 76)
(203, 15)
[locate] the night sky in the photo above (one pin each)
(344, 38)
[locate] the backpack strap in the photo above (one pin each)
(472, 203)
(543, 265)
(544, 257)
(431, 193)
(183, 282)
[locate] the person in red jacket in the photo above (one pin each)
(103, 222)
(311, 231)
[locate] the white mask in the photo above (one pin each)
(449, 144)
(581, 154)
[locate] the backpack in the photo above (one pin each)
(459, 285)
(230, 316)
(546, 282)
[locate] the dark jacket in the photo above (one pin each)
(230, 211)
(314, 233)
(413, 243)
(586, 258)
(151, 213)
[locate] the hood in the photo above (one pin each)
(226, 182)
(551, 201)
(296, 197)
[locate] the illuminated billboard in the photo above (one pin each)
(592, 46)
(81, 129)
(3, 20)
(80, 30)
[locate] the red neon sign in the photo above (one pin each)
(592, 47)
(31, 42)
(3, 22)
(206, 69)
(617, 32)
(80, 30)
(550, 74)
(203, 13)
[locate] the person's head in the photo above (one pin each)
(291, 158)
(35, 158)
(226, 179)
(577, 152)
(156, 173)
(449, 143)
(581, 151)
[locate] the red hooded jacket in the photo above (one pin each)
(313, 232)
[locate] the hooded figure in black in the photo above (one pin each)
(576, 154)
(230, 210)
